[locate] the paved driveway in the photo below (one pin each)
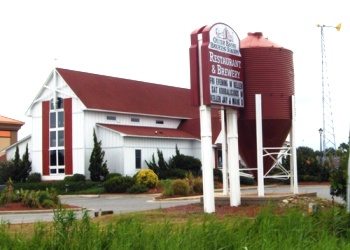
(95, 203)
(129, 203)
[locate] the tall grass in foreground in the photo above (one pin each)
(293, 230)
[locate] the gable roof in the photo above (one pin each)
(6, 120)
(98, 92)
(139, 131)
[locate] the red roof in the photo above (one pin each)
(123, 95)
(139, 131)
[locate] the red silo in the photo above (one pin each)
(268, 70)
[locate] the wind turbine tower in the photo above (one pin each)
(328, 134)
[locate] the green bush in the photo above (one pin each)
(38, 199)
(111, 175)
(75, 178)
(34, 178)
(197, 185)
(171, 173)
(61, 187)
(118, 184)
(180, 187)
(146, 177)
(167, 188)
(137, 188)
(185, 162)
(6, 171)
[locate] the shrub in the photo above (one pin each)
(75, 178)
(167, 188)
(185, 162)
(146, 177)
(172, 173)
(38, 199)
(137, 188)
(180, 187)
(118, 184)
(197, 185)
(34, 177)
(111, 175)
(6, 171)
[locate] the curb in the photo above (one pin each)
(38, 211)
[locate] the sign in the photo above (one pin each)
(219, 66)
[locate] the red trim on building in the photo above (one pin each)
(68, 150)
(45, 137)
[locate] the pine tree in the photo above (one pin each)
(98, 167)
(26, 166)
(16, 172)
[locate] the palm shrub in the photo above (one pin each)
(38, 199)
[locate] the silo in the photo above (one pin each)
(268, 70)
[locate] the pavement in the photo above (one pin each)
(126, 203)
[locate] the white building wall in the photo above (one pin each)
(112, 144)
(10, 152)
(47, 94)
(149, 147)
(91, 118)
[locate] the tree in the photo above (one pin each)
(20, 167)
(26, 166)
(97, 167)
(17, 163)
(339, 175)
(185, 162)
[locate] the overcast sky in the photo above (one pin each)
(149, 41)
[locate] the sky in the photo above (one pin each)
(149, 41)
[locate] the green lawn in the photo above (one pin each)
(272, 228)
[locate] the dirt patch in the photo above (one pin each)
(220, 210)
(302, 203)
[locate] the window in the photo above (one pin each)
(57, 136)
(159, 122)
(135, 119)
(138, 158)
(111, 117)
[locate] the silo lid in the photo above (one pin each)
(256, 39)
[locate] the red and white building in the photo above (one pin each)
(131, 118)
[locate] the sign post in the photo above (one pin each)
(216, 80)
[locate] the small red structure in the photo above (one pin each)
(268, 70)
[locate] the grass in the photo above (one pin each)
(292, 229)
